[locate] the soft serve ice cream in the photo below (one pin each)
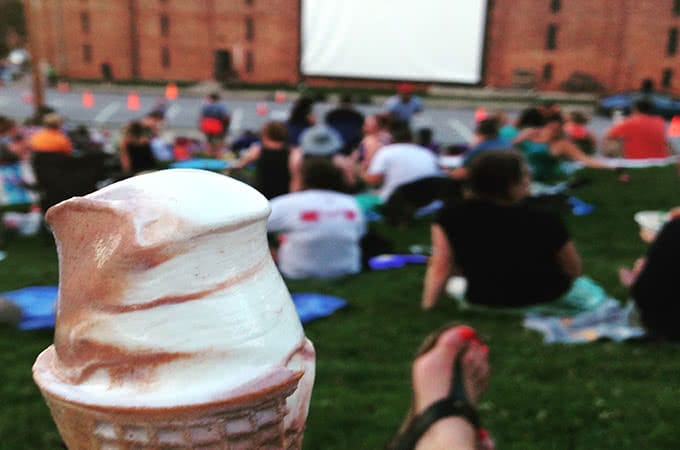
(168, 297)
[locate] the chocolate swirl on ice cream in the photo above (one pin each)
(168, 297)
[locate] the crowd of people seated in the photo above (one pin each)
(377, 153)
(511, 253)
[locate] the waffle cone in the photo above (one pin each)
(255, 421)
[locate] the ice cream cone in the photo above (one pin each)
(174, 328)
(252, 421)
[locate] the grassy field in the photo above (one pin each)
(596, 396)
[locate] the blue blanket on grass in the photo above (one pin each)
(610, 320)
(37, 304)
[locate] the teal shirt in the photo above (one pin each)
(544, 166)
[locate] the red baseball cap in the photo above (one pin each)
(405, 88)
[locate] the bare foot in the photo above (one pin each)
(432, 379)
(433, 371)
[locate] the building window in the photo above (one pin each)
(87, 53)
(676, 7)
(165, 57)
(250, 29)
(250, 63)
(84, 22)
(165, 25)
(555, 5)
(672, 46)
(667, 78)
(547, 72)
(551, 37)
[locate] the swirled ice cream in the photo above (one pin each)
(168, 297)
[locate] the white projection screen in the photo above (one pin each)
(415, 40)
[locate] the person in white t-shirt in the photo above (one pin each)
(409, 177)
(319, 228)
(400, 163)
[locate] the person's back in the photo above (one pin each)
(643, 135)
(510, 254)
(320, 227)
(51, 139)
(488, 139)
(272, 175)
(141, 156)
(348, 122)
(544, 166)
(322, 231)
(507, 253)
(655, 289)
(401, 163)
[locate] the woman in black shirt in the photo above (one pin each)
(510, 254)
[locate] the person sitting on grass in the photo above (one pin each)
(643, 135)
(272, 160)
(321, 141)
(408, 176)
(576, 129)
(511, 255)
(652, 282)
(376, 136)
(545, 148)
(320, 227)
(51, 138)
(449, 375)
(136, 155)
(486, 138)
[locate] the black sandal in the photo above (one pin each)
(454, 404)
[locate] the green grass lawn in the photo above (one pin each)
(596, 396)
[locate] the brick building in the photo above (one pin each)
(537, 42)
(253, 41)
(619, 42)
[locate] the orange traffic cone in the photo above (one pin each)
(480, 114)
(133, 101)
(674, 127)
(279, 96)
(63, 86)
(262, 109)
(88, 99)
(171, 91)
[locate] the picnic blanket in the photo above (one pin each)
(37, 304)
(640, 163)
(610, 320)
(311, 306)
(12, 190)
(384, 262)
(201, 163)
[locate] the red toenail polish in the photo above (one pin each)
(482, 433)
(467, 333)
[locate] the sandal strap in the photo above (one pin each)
(445, 407)
(454, 404)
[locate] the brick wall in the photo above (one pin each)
(182, 49)
(619, 42)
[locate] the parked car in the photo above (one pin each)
(663, 105)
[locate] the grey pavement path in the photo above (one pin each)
(452, 120)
